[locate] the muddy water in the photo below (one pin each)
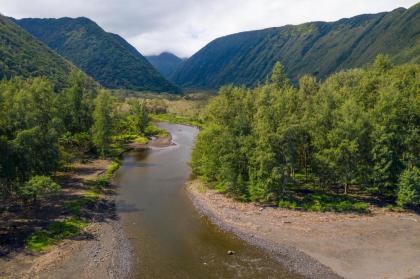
(169, 238)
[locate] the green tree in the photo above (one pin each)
(37, 187)
(279, 77)
(102, 126)
(409, 188)
(139, 116)
(76, 103)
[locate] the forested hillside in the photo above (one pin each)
(106, 57)
(358, 131)
(166, 63)
(317, 48)
(23, 55)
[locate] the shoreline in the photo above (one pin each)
(102, 250)
(290, 257)
(320, 245)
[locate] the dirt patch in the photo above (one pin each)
(380, 245)
(101, 251)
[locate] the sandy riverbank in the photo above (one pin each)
(322, 245)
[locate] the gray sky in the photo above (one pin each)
(185, 26)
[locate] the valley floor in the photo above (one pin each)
(379, 245)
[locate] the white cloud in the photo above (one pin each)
(184, 26)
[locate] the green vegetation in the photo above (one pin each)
(166, 63)
(316, 145)
(316, 48)
(409, 188)
(38, 186)
(106, 57)
(104, 178)
(56, 231)
(43, 130)
(22, 55)
(176, 119)
(102, 122)
(325, 202)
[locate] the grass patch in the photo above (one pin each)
(103, 180)
(153, 130)
(176, 119)
(56, 231)
(91, 197)
(141, 140)
(394, 208)
(322, 202)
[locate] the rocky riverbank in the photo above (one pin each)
(100, 251)
(321, 245)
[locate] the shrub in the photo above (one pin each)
(288, 204)
(409, 188)
(37, 187)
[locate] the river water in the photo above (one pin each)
(170, 239)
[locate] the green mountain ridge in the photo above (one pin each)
(166, 63)
(106, 57)
(23, 55)
(316, 48)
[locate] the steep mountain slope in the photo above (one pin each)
(106, 57)
(23, 55)
(166, 63)
(317, 48)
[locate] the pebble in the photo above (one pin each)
(230, 252)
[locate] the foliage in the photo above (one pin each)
(409, 188)
(56, 231)
(316, 48)
(177, 119)
(102, 125)
(42, 130)
(106, 177)
(106, 57)
(153, 130)
(22, 55)
(356, 130)
(139, 116)
(37, 187)
(325, 203)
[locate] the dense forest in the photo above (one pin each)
(23, 55)
(316, 48)
(358, 131)
(106, 57)
(42, 130)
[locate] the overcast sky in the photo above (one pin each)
(185, 26)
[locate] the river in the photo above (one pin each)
(169, 238)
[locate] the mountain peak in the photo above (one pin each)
(106, 57)
(166, 63)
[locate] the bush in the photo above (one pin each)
(288, 204)
(323, 202)
(409, 188)
(153, 130)
(334, 203)
(37, 187)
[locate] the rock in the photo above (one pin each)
(231, 252)
(261, 208)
